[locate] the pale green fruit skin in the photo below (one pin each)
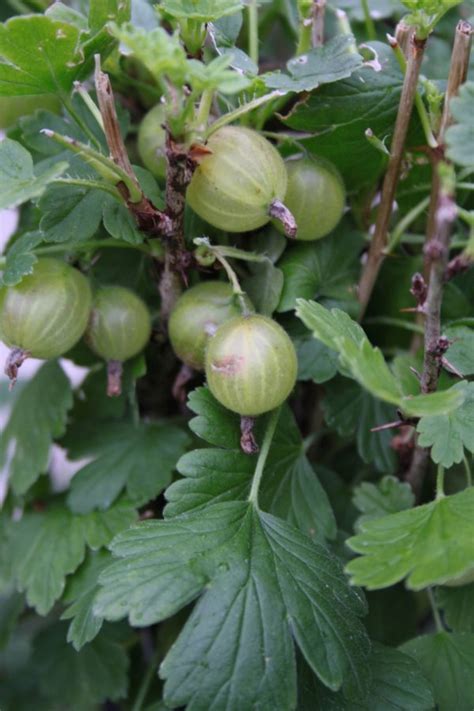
(119, 325)
(315, 196)
(197, 315)
(13, 107)
(151, 142)
(251, 365)
(47, 312)
(234, 186)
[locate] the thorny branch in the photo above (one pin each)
(375, 255)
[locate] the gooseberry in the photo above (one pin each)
(151, 141)
(119, 328)
(196, 316)
(251, 365)
(315, 196)
(241, 183)
(45, 314)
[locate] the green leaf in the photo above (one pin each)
(328, 267)
(260, 580)
(366, 364)
(140, 459)
(47, 546)
(70, 213)
(447, 661)
(264, 286)
(290, 487)
(389, 495)
(460, 136)
(448, 435)
(103, 11)
(316, 361)
(20, 260)
(350, 410)
(200, 10)
(38, 416)
(397, 683)
(119, 223)
(430, 544)
(18, 182)
(461, 352)
(39, 56)
(80, 680)
(339, 114)
(80, 592)
(457, 604)
(322, 65)
(11, 606)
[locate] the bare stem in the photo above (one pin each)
(319, 11)
(375, 256)
(403, 35)
(437, 250)
(458, 70)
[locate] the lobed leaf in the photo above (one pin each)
(428, 545)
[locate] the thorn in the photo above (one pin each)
(451, 368)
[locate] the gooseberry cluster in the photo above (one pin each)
(51, 309)
(240, 184)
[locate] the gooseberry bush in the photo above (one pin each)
(250, 225)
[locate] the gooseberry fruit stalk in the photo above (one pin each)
(45, 314)
(119, 328)
(240, 185)
(251, 365)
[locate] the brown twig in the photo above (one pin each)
(150, 220)
(436, 345)
(317, 32)
(375, 255)
(403, 35)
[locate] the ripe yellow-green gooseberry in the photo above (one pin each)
(45, 314)
(119, 328)
(196, 317)
(151, 141)
(251, 365)
(240, 185)
(315, 196)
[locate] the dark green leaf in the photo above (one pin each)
(322, 65)
(140, 459)
(261, 578)
(352, 411)
(290, 487)
(38, 416)
(457, 604)
(80, 592)
(388, 496)
(397, 684)
(447, 661)
(80, 680)
(11, 607)
(47, 546)
(264, 286)
(18, 182)
(70, 213)
(327, 267)
(339, 114)
(448, 435)
(119, 223)
(417, 544)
